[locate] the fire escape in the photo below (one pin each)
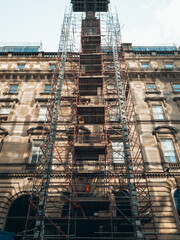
(90, 182)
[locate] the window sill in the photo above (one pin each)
(149, 92)
(43, 93)
(41, 99)
(154, 99)
(176, 98)
(18, 70)
(160, 120)
(10, 93)
(41, 121)
(9, 100)
(3, 117)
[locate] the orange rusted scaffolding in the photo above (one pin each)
(88, 194)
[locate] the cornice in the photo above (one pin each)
(92, 175)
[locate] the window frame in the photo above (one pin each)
(114, 115)
(153, 115)
(5, 116)
(5, 106)
(52, 66)
(45, 115)
(174, 146)
(173, 83)
(16, 92)
(167, 132)
(169, 68)
(38, 151)
(145, 67)
(152, 92)
(19, 66)
(47, 90)
(121, 157)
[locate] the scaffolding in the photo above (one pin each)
(90, 182)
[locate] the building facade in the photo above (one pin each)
(25, 91)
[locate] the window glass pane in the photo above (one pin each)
(5, 110)
(13, 88)
(118, 152)
(52, 66)
(114, 114)
(158, 112)
(176, 87)
(21, 66)
(169, 65)
(177, 201)
(168, 149)
(151, 87)
(47, 88)
(36, 152)
(145, 65)
(42, 114)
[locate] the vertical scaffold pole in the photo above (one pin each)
(48, 155)
(136, 221)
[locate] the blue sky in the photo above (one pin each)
(146, 22)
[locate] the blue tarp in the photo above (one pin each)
(6, 235)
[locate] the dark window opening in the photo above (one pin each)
(83, 228)
(17, 215)
(177, 201)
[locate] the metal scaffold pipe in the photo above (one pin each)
(136, 221)
(46, 174)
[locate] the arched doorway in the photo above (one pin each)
(177, 201)
(16, 218)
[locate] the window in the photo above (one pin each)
(47, 88)
(21, 66)
(118, 152)
(176, 87)
(158, 113)
(13, 88)
(42, 114)
(36, 152)
(177, 201)
(145, 65)
(168, 150)
(52, 66)
(5, 110)
(114, 114)
(169, 65)
(151, 87)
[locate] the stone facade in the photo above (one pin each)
(154, 78)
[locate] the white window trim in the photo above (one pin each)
(5, 113)
(164, 151)
(42, 116)
(154, 113)
(38, 152)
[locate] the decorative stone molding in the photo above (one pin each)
(169, 129)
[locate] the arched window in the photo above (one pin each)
(166, 137)
(35, 139)
(177, 201)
